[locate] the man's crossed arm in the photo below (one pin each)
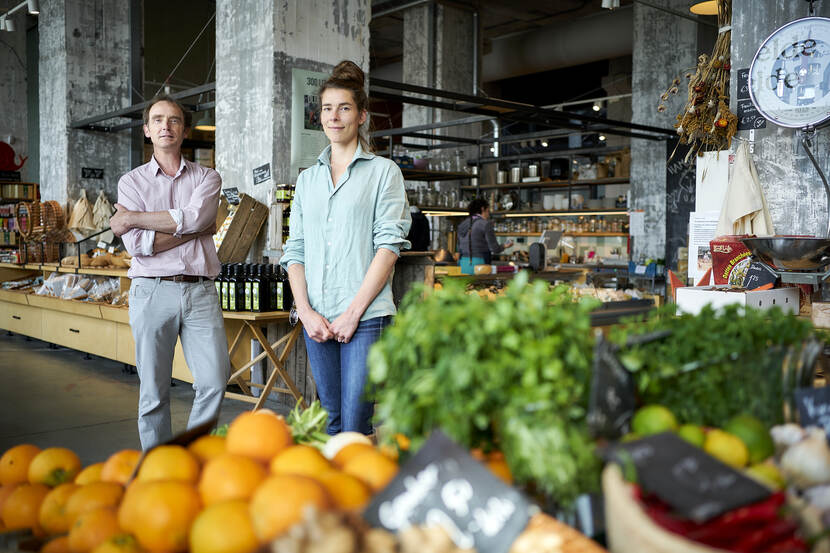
(161, 222)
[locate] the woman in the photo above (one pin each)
(349, 221)
(476, 238)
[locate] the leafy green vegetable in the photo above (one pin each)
(512, 373)
(220, 431)
(308, 426)
(716, 364)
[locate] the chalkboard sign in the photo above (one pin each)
(442, 485)
(680, 200)
(10, 176)
(748, 116)
(743, 83)
(814, 407)
(611, 403)
(92, 173)
(758, 275)
(262, 173)
(695, 484)
(232, 195)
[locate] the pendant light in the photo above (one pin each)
(206, 123)
(707, 7)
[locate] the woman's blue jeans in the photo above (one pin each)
(340, 374)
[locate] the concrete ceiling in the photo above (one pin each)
(499, 19)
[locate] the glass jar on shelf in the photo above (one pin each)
(592, 224)
(531, 225)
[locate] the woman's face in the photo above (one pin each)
(485, 213)
(339, 116)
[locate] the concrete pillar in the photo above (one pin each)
(665, 45)
(13, 64)
(84, 65)
(793, 188)
(258, 43)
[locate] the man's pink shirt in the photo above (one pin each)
(192, 198)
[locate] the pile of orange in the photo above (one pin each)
(218, 495)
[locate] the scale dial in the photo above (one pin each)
(789, 79)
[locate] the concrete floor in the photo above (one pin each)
(53, 396)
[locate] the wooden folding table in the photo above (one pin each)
(252, 322)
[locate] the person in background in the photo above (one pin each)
(349, 221)
(166, 216)
(476, 239)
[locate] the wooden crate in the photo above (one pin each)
(245, 226)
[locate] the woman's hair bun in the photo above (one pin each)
(349, 71)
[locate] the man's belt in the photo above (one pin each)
(184, 278)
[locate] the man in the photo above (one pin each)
(166, 215)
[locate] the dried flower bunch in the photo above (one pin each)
(706, 123)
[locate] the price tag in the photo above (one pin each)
(102, 245)
(758, 275)
(262, 174)
(814, 407)
(442, 485)
(611, 402)
(698, 486)
(111, 249)
(640, 270)
(232, 195)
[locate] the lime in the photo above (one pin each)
(692, 434)
(767, 474)
(630, 437)
(726, 447)
(653, 419)
(754, 434)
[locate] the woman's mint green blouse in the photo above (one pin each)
(336, 231)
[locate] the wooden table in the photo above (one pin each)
(251, 325)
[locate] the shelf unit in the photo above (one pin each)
(11, 193)
(552, 184)
(558, 213)
(565, 233)
(425, 175)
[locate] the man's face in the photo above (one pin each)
(165, 127)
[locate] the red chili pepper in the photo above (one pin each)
(668, 522)
(762, 512)
(761, 539)
(789, 545)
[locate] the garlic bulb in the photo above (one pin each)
(807, 463)
(819, 497)
(785, 435)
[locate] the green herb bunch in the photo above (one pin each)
(716, 364)
(512, 373)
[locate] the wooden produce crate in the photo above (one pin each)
(247, 221)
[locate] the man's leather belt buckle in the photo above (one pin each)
(183, 278)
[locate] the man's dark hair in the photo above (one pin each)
(477, 206)
(188, 117)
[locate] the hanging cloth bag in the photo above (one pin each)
(102, 211)
(81, 220)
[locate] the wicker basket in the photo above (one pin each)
(630, 530)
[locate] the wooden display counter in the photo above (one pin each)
(104, 330)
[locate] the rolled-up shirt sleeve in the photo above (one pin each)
(200, 212)
(392, 218)
(294, 249)
(138, 242)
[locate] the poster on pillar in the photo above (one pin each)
(307, 136)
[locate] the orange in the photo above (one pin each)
(230, 477)
(90, 474)
(223, 528)
(169, 462)
(350, 451)
(207, 447)
(120, 466)
(52, 514)
(402, 441)
(280, 501)
(346, 491)
(299, 459)
(53, 466)
(56, 545)
(259, 435)
(159, 514)
(119, 543)
(22, 506)
(93, 496)
(373, 467)
(92, 529)
(5, 492)
(14, 464)
(390, 451)
(498, 466)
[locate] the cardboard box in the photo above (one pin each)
(691, 299)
